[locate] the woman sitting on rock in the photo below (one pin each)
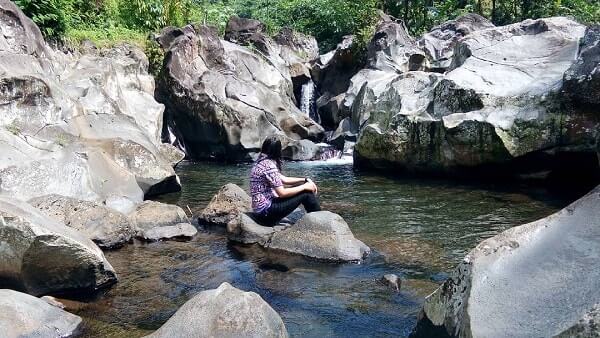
(275, 196)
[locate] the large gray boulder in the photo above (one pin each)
(155, 221)
(439, 43)
(497, 112)
(108, 228)
(226, 98)
(41, 255)
(322, 235)
(582, 80)
(80, 125)
(230, 201)
(223, 312)
(22, 315)
(535, 280)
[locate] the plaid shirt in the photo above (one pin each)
(264, 178)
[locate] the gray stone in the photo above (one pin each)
(225, 98)
(230, 201)
(106, 227)
(582, 79)
(22, 315)
(534, 280)
(41, 255)
(322, 235)
(79, 125)
(392, 281)
(439, 43)
(150, 215)
(587, 326)
(224, 312)
(177, 231)
(243, 229)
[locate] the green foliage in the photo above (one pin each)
(47, 14)
(155, 56)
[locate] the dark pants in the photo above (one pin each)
(281, 207)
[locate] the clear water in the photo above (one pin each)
(418, 229)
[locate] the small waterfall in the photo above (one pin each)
(307, 101)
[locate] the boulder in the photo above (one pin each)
(107, 228)
(439, 43)
(22, 315)
(321, 235)
(230, 201)
(224, 312)
(582, 79)
(497, 112)
(154, 221)
(587, 326)
(169, 232)
(225, 98)
(392, 281)
(243, 229)
(534, 280)
(41, 255)
(79, 125)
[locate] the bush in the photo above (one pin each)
(47, 14)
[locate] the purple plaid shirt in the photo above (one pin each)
(264, 178)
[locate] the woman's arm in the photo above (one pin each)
(284, 192)
(292, 180)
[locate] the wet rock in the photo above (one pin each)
(502, 287)
(243, 229)
(22, 315)
(79, 125)
(155, 221)
(440, 41)
(305, 150)
(177, 231)
(41, 255)
(322, 235)
(224, 312)
(225, 98)
(107, 228)
(392, 281)
(230, 201)
(346, 131)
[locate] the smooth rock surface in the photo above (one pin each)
(225, 98)
(79, 125)
(41, 255)
(224, 312)
(534, 280)
(107, 228)
(154, 221)
(230, 201)
(321, 235)
(177, 231)
(22, 315)
(243, 229)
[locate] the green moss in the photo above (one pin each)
(13, 128)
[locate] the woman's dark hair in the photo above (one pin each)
(271, 147)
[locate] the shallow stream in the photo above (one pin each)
(418, 230)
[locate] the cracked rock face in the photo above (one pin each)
(497, 111)
(535, 280)
(22, 315)
(83, 126)
(224, 312)
(41, 255)
(225, 98)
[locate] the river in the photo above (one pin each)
(418, 229)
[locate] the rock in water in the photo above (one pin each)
(230, 201)
(322, 235)
(392, 281)
(224, 312)
(40, 255)
(155, 221)
(107, 228)
(534, 280)
(22, 315)
(226, 98)
(498, 111)
(83, 126)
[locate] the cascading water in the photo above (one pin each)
(307, 101)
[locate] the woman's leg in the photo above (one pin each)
(281, 207)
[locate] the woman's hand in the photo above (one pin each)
(312, 186)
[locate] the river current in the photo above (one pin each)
(418, 229)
